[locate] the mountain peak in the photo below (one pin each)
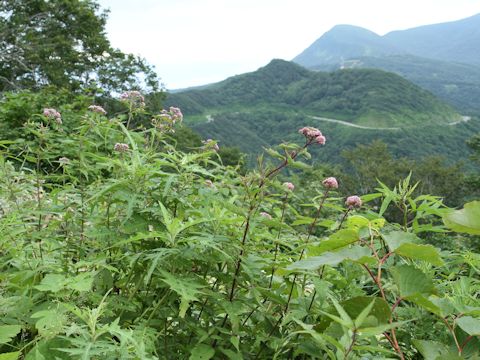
(343, 42)
(450, 41)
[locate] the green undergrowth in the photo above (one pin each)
(116, 245)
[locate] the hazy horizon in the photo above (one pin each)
(194, 43)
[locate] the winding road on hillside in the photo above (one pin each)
(462, 120)
(350, 124)
(341, 122)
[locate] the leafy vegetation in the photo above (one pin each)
(125, 235)
(114, 244)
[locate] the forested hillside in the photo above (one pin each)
(125, 234)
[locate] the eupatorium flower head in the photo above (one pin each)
(97, 109)
(330, 183)
(120, 147)
(353, 202)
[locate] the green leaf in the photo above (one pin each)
(420, 252)
(49, 349)
(343, 314)
(469, 324)
(10, 355)
(186, 288)
(397, 238)
(411, 281)
(466, 220)
(8, 332)
(425, 303)
(81, 282)
(357, 222)
(430, 350)
(202, 352)
(376, 330)
(330, 258)
(50, 322)
(363, 315)
(336, 241)
(52, 282)
(379, 314)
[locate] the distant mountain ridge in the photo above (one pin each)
(268, 106)
(457, 41)
(442, 58)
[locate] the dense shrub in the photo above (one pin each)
(116, 245)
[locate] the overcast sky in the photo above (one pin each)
(195, 42)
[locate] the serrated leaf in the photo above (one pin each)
(430, 350)
(187, 289)
(52, 282)
(8, 332)
(50, 322)
(330, 258)
(424, 302)
(466, 220)
(336, 241)
(376, 330)
(411, 281)
(81, 282)
(363, 315)
(420, 252)
(397, 238)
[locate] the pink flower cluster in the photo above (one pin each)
(121, 148)
(53, 114)
(210, 144)
(353, 202)
(166, 120)
(288, 186)
(313, 135)
(330, 183)
(134, 98)
(97, 109)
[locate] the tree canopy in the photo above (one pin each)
(64, 43)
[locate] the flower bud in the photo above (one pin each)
(330, 183)
(353, 202)
(120, 147)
